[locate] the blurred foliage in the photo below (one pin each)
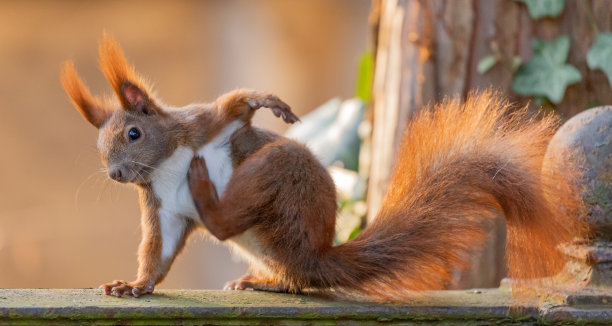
(600, 54)
(352, 209)
(365, 77)
(355, 233)
(547, 75)
(486, 63)
(544, 8)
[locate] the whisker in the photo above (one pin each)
(102, 189)
(80, 186)
(167, 171)
(137, 173)
(108, 184)
(145, 165)
(116, 190)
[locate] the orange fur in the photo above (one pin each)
(240, 104)
(117, 70)
(458, 164)
(169, 129)
(90, 107)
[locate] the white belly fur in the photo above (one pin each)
(171, 188)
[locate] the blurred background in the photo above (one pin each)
(62, 223)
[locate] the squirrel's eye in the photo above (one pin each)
(133, 134)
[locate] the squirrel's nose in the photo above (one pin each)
(115, 174)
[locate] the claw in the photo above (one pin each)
(248, 282)
(279, 108)
(118, 288)
(236, 285)
(242, 286)
(229, 286)
(285, 113)
(242, 283)
(136, 292)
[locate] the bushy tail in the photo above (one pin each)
(458, 165)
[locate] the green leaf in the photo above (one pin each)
(555, 51)
(354, 233)
(486, 63)
(365, 76)
(541, 101)
(547, 74)
(543, 8)
(593, 104)
(516, 62)
(600, 54)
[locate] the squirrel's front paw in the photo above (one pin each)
(118, 288)
(200, 185)
(285, 112)
(198, 173)
(278, 107)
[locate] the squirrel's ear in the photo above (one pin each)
(129, 87)
(90, 107)
(137, 99)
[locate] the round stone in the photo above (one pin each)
(588, 136)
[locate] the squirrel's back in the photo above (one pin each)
(459, 165)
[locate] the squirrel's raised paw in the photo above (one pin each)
(118, 288)
(286, 114)
(278, 107)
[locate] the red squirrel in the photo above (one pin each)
(204, 166)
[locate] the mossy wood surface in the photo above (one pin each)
(197, 307)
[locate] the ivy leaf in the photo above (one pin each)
(547, 74)
(555, 50)
(543, 8)
(541, 100)
(600, 54)
(486, 63)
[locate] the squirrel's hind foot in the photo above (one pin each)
(249, 282)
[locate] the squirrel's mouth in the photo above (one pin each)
(141, 174)
(131, 173)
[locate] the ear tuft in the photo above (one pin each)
(120, 73)
(90, 107)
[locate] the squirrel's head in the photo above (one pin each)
(136, 135)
